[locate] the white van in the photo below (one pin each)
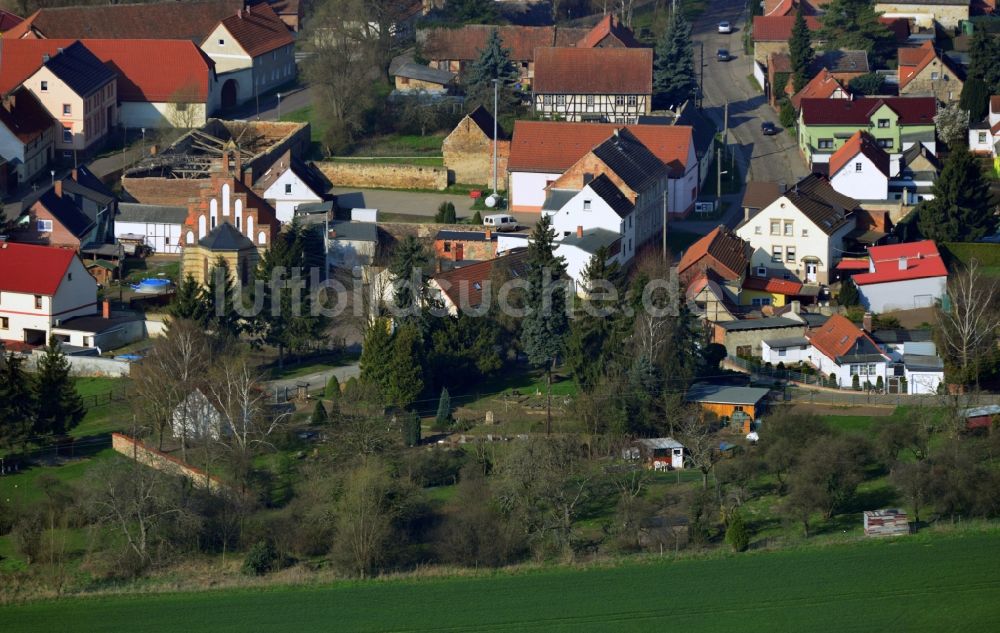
(500, 222)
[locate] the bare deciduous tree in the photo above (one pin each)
(968, 330)
(364, 518)
(697, 434)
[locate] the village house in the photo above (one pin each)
(758, 292)
(723, 254)
(947, 14)
(896, 123)
(801, 234)
(658, 453)
(76, 212)
(27, 136)
(468, 150)
(743, 338)
(860, 168)
(350, 243)
(79, 92)
(984, 136)
(101, 331)
(458, 246)
(196, 418)
(587, 84)
(40, 287)
(541, 151)
(902, 277)
(471, 287)
(914, 175)
(923, 72)
(290, 182)
(772, 32)
(840, 348)
(156, 227)
(823, 86)
(726, 401)
(759, 194)
(708, 301)
(409, 77)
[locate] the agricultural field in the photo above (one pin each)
(928, 582)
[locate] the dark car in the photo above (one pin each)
(723, 55)
(768, 128)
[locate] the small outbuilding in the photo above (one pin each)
(196, 417)
(727, 400)
(659, 453)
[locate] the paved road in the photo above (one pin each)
(291, 99)
(316, 380)
(773, 158)
(413, 203)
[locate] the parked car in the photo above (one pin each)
(723, 55)
(768, 128)
(500, 222)
(725, 27)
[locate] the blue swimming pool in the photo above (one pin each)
(151, 286)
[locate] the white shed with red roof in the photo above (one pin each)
(902, 277)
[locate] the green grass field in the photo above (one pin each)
(923, 583)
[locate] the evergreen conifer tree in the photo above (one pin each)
(190, 302)
(319, 415)
(962, 209)
(220, 296)
(58, 406)
(674, 80)
(16, 401)
(493, 63)
(443, 418)
(801, 51)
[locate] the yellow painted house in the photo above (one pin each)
(768, 291)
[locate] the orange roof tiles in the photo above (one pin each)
(778, 28)
(773, 285)
(29, 269)
(914, 60)
(554, 146)
(922, 260)
(143, 77)
(464, 285)
(609, 26)
(618, 71)
(861, 142)
(21, 58)
(258, 30)
(724, 247)
(822, 86)
(838, 336)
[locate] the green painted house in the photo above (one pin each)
(896, 123)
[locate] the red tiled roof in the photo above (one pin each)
(155, 21)
(922, 260)
(30, 269)
(593, 71)
(995, 104)
(770, 284)
(822, 86)
(852, 264)
(21, 58)
(837, 336)
(778, 28)
(27, 118)
(911, 110)
(860, 143)
(609, 25)
(914, 60)
(143, 77)
(465, 279)
(8, 20)
(788, 7)
(258, 30)
(722, 245)
(466, 43)
(553, 146)
(900, 27)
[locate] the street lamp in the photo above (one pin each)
(496, 115)
(279, 106)
(52, 173)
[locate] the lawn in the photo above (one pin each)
(104, 413)
(869, 424)
(923, 583)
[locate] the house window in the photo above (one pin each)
(590, 100)
(826, 143)
(885, 143)
(756, 230)
(883, 123)
(69, 277)
(561, 100)
(760, 301)
(857, 167)
(547, 100)
(67, 134)
(775, 227)
(67, 109)
(776, 254)
(789, 231)
(934, 76)
(166, 240)
(761, 271)
(44, 226)
(982, 137)
(619, 100)
(790, 254)
(4, 323)
(782, 352)
(38, 302)
(45, 86)
(222, 42)
(288, 189)
(181, 107)
(805, 232)
(447, 247)
(586, 205)
(633, 100)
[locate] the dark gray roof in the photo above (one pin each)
(821, 203)
(842, 61)
(465, 236)
(592, 240)
(484, 121)
(157, 213)
(225, 237)
(916, 362)
(413, 70)
(80, 69)
(632, 161)
(703, 128)
(611, 194)
(902, 336)
(309, 208)
(759, 324)
(726, 394)
(64, 209)
(793, 341)
(95, 323)
(556, 199)
(813, 319)
(355, 231)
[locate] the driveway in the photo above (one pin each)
(316, 381)
(765, 158)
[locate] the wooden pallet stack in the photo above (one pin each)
(890, 522)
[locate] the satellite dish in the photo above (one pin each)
(491, 200)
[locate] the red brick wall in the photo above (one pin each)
(59, 236)
(573, 178)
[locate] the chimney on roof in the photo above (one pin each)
(866, 322)
(106, 309)
(57, 188)
(579, 231)
(902, 263)
(45, 57)
(782, 187)
(239, 13)
(333, 234)
(60, 50)
(489, 235)
(73, 174)
(239, 164)
(796, 306)
(225, 161)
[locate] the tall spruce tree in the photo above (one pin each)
(962, 208)
(220, 298)
(801, 51)
(376, 351)
(16, 402)
(406, 268)
(411, 429)
(493, 63)
(674, 80)
(546, 324)
(443, 417)
(58, 406)
(592, 342)
(405, 371)
(190, 302)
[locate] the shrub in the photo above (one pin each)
(787, 116)
(737, 534)
(261, 559)
(848, 295)
(319, 415)
(856, 382)
(477, 219)
(880, 384)
(332, 390)
(832, 380)
(445, 213)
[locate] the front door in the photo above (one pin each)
(459, 251)
(811, 268)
